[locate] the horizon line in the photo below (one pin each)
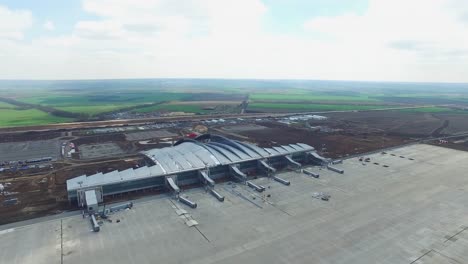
(232, 79)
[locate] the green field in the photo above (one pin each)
(172, 107)
(29, 117)
(310, 96)
(346, 107)
(434, 110)
(312, 107)
(87, 99)
(92, 109)
(6, 106)
(97, 98)
(93, 104)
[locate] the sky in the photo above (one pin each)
(371, 40)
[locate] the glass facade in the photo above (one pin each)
(189, 177)
(128, 186)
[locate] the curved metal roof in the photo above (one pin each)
(229, 155)
(188, 155)
(184, 156)
(241, 155)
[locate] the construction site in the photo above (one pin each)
(36, 163)
(225, 189)
(378, 211)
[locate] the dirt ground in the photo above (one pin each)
(344, 134)
(114, 137)
(241, 128)
(457, 122)
(45, 193)
(400, 123)
(28, 136)
(149, 135)
(332, 145)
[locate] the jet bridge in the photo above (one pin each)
(292, 162)
(335, 169)
(187, 202)
(237, 173)
(206, 179)
(319, 158)
(210, 184)
(265, 165)
(94, 223)
(281, 180)
(311, 173)
(258, 188)
(217, 195)
(173, 185)
(176, 189)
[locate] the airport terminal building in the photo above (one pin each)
(190, 161)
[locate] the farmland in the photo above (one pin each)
(312, 107)
(29, 117)
(264, 107)
(187, 108)
(6, 106)
(49, 102)
(310, 96)
(434, 109)
(92, 109)
(95, 98)
(94, 103)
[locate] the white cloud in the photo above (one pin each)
(417, 40)
(427, 38)
(49, 25)
(181, 17)
(13, 23)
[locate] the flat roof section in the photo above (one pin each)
(91, 198)
(412, 210)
